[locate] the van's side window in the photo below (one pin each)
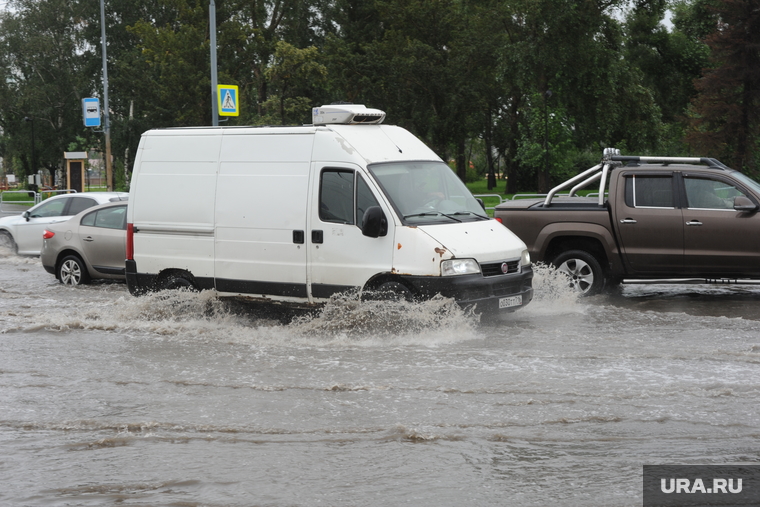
(364, 198)
(336, 196)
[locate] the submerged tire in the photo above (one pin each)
(73, 271)
(390, 291)
(6, 241)
(585, 272)
(176, 281)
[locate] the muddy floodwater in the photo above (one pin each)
(185, 400)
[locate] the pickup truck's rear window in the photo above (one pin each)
(649, 191)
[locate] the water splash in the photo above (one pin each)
(552, 288)
(186, 316)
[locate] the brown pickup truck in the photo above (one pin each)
(653, 218)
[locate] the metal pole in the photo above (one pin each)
(106, 112)
(547, 94)
(212, 35)
(34, 153)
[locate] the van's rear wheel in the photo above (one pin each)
(176, 281)
(583, 269)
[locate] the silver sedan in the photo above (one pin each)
(90, 245)
(23, 233)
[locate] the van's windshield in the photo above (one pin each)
(427, 192)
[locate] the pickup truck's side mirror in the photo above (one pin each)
(482, 204)
(742, 203)
(26, 215)
(374, 223)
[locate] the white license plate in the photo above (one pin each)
(510, 302)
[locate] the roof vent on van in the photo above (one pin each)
(346, 114)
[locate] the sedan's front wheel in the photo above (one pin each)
(72, 271)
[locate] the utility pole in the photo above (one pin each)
(106, 112)
(212, 36)
(34, 153)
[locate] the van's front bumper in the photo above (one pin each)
(489, 294)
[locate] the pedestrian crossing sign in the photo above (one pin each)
(228, 100)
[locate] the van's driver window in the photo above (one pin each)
(336, 196)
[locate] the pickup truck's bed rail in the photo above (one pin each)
(611, 159)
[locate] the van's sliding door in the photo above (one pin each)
(261, 205)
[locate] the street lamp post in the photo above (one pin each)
(106, 111)
(212, 41)
(547, 96)
(34, 153)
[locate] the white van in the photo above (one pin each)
(298, 214)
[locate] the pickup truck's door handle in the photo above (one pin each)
(694, 222)
(628, 221)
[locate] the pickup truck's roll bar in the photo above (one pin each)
(612, 158)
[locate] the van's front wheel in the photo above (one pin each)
(583, 269)
(389, 291)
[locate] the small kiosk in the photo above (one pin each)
(75, 170)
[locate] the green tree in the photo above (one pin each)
(45, 75)
(725, 120)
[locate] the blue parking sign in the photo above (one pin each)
(91, 112)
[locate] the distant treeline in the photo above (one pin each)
(531, 90)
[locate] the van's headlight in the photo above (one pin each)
(525, 258)
(459, 267)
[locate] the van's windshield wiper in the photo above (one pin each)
(471, 213)
(431, 214)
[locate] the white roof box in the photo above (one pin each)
(346, 114)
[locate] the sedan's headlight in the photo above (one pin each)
(459, 267)
(525, 258)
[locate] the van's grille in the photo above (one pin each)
(494, 268)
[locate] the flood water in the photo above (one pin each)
(185, 400)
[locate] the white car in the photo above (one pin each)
(23, 233)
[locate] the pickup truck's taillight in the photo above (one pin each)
(499, 220)
(130, 241)
(47, 234)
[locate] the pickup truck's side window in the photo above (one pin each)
(704, 193)
(649, 191)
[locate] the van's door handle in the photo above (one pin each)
(88, 238)
(628, 221)
(299, 237)
(694, 222)
(317, 236)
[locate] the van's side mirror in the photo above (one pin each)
(374, 223)
(742, 203)
(26, 215)
(482, 204)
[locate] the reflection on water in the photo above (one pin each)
(185, 399)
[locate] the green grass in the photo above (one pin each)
(14, 196)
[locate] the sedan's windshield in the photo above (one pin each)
(427, 192)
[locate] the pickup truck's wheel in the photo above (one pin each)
(585, 272)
